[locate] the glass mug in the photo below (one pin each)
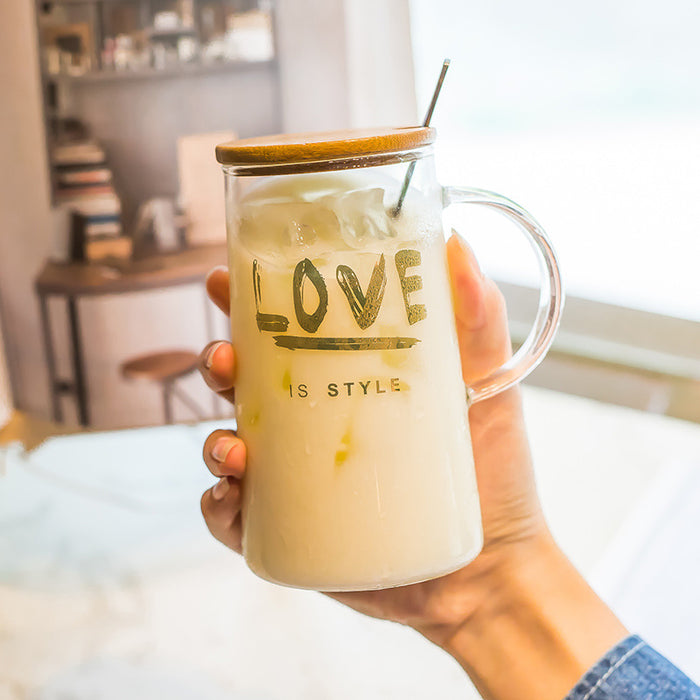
(349, 394)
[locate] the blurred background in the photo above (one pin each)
(589, 117)
(111, 213)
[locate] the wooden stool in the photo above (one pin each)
(165, 368)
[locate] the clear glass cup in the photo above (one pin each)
(349, 394)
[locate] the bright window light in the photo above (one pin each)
(586, 114)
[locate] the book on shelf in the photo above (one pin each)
(64, 193)
(80, 153)
(83, 176)
(100, 208)
(100, 248)
(90, 203)
(103, 227)
(102, 213)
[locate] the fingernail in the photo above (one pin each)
(473, 262)
(469, 287)
(220, 489)
(221, 449)
(216, 270)
(209, 357)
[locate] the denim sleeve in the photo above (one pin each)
(632, 670)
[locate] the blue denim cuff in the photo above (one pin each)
(632, 670)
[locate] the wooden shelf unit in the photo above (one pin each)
(77, 95)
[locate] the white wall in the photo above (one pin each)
(24, 202)
(345, 63)
(380, 63)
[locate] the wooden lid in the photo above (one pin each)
(320, 146)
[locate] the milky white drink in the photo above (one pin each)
(348, 394)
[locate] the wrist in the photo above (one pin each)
(538, 628)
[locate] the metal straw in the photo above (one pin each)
(426, 122)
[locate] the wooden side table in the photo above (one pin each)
(72, 281)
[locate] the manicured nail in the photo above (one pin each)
(222, 448)
(220, 489)
(209, 357)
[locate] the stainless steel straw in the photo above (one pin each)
(426, 121)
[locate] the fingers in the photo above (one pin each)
(217, 364)
(221, 508)
(218, 288)
(480, 314)
(217, 360)
(225, 454)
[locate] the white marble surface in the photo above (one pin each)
(111, 587)
(650, 573)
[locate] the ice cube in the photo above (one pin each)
(362, 215)
(281, 225)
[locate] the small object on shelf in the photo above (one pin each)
(130, 54)
(67, 48)
(236, 36)
(166, 21)
(157, 222)
(171, 40)
(249, 36)
(159, 56)
(123, 50)
(108, 53)
(186, 49)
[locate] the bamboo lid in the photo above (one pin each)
(286, 149)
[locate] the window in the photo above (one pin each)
(588, 115)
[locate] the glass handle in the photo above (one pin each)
(551, 303)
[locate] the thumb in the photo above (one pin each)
(480, 313)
